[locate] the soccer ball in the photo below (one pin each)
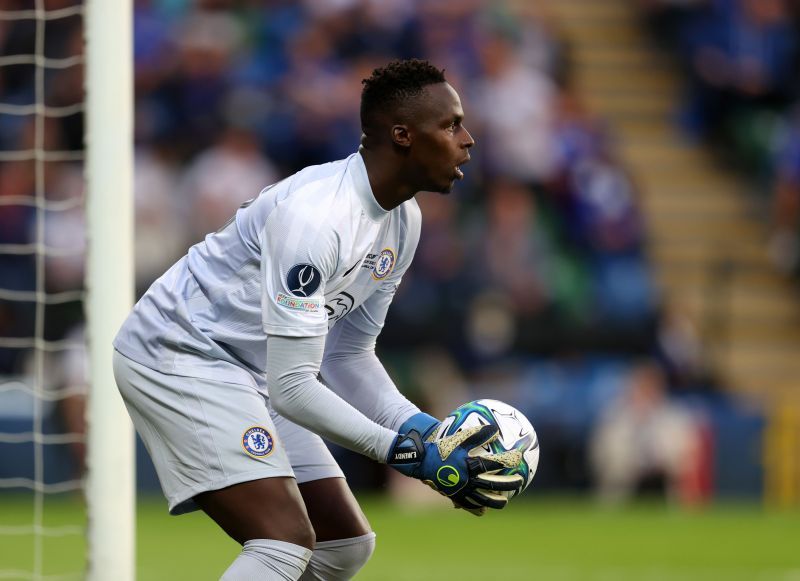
(516, 433)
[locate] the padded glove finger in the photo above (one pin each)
(471, 508)
(498, 482)
(487, 498)
(483, 471)
(471, 496)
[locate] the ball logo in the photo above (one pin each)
(447, 476)
(258, 442)
(384, 264)
(303, 280)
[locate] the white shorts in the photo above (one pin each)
(205, 435)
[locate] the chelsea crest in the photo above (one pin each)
(258, 442)
(384, 264)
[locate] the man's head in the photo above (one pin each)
(410, 107)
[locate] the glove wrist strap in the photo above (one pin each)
(423, 423)
(407, 449)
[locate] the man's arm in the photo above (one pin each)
(443, 464)
(296, 394)
(351, 368)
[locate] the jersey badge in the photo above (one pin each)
(383, 264)
(303, 280)
(258, 442)
(299, 304)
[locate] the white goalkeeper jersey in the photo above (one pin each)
(307, 252)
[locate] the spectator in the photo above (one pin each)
(161, 236)
(784, 247)
(230, 172)
(741, 61)
(516, 105)
(643, 442)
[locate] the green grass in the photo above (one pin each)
(543, 539)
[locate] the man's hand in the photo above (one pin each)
(445, 465)
(489, 484)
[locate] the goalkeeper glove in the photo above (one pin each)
(446, 466)
(424, 424)
(476, 500)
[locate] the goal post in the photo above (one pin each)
(110, 488)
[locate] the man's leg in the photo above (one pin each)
(345, 541)
(269, 519)
(203, 434)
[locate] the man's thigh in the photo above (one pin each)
(268, 508)
(332, 508)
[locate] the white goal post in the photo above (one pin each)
(110, 285)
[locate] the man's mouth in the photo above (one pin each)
(459, 172)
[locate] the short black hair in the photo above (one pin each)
(388, 86)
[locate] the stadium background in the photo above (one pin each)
(620, 262)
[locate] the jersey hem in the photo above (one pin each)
(234, 374)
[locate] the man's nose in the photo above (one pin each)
(469, 141)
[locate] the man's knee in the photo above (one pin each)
(339, 560)
(305, 536)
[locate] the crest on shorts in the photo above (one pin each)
(258, 442)
(384, 264)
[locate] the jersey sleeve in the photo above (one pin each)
(296, 394)
(299, 250)
(352, 370)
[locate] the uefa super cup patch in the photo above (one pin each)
(258, 442)
(383, 264)
(303, 280)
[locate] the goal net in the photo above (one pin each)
(65, 285)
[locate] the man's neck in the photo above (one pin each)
(386, 178)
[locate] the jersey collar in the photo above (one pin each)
(358, 171)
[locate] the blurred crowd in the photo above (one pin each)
(531, 283)
(741, 68)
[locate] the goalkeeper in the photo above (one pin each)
(261, 340)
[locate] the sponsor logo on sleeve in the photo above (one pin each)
(339, 306)
(384, 264)
(369, 261)
(352, 268)
(258, 442)
(299, 304)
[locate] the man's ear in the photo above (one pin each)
(401, 135)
